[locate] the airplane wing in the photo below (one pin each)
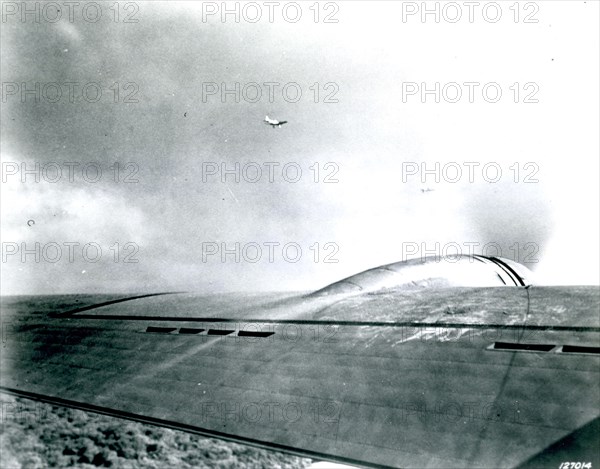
(444, 377)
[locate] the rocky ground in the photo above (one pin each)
(37, 435)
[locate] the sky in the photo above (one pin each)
(158, 98)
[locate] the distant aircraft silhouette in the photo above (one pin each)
(274, 122)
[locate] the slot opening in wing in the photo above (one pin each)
(220, 331)
(160, 330)
(579, 349)
(522, 347)
(255, 334)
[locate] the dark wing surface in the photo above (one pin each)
(445, 377)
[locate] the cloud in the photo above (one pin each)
(169, 131)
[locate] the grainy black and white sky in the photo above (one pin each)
(171, 55)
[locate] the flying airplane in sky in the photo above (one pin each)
(427, 363)
(274, 122)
